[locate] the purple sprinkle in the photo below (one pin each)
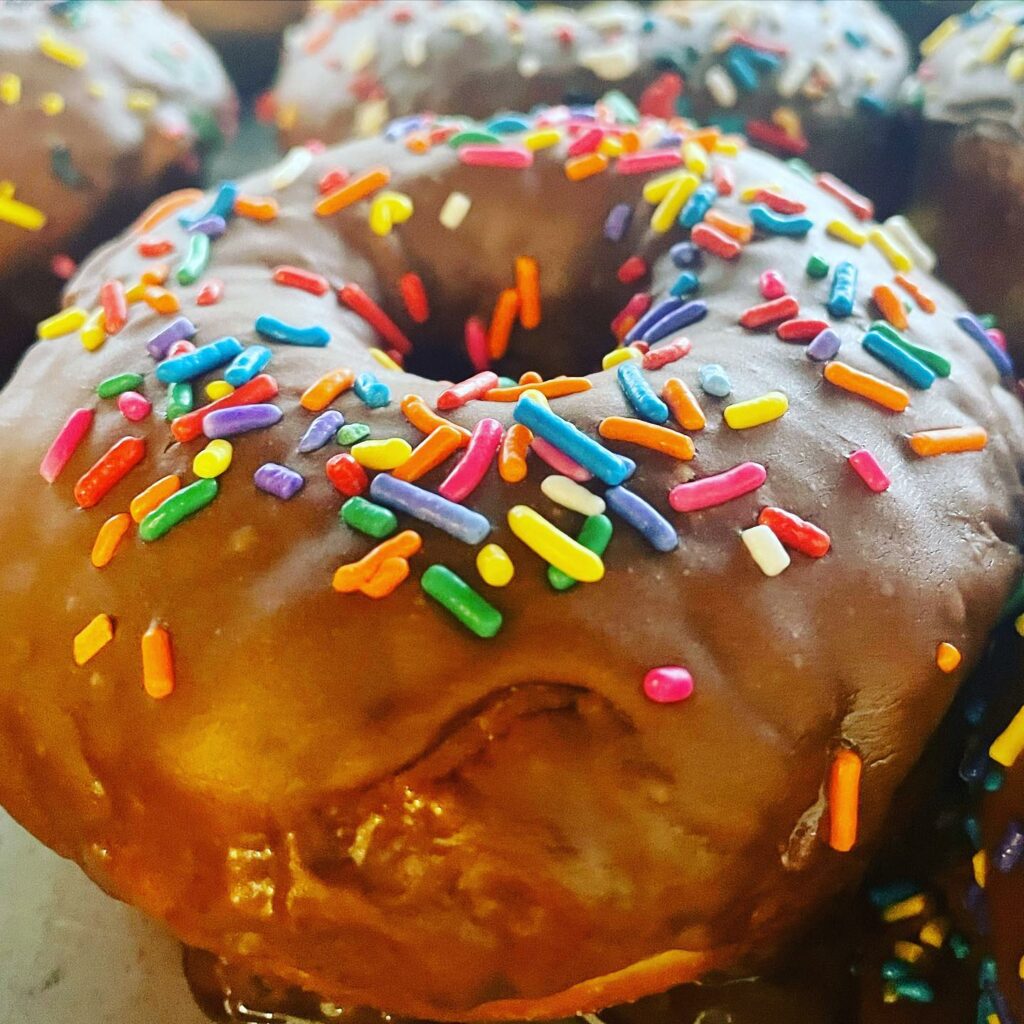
(657, 312)
(1011, 847)
(282, 482)
(682, 317)
(668, 140)
(617, 222)
(321, 430)
(685, 255)
(824, 346)
(178, 330)
(212, 225)
(240, 419)
(970, 324)
(644, 518)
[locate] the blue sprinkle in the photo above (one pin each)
(795, 225)
(686, 283)
(843, 292)
(640, 395)
(223, 206)
(871, 103)
(460, 522)
(761, 59)
(508, 124)
(566, 437)
(247, 364)
(824, 346)
(321, 430)
(690, 313)
(617, 222)
(644, 518)
(213, 226)
(714, 380)
(403, 126)
(855, 39)
(685, 255)
(657, 312)
(282, 482)
(740, 68)
(371, 391)
(897, 359)
(286, 334)
(1010, 850)
(969, 324)
(698, 205)
(195, 364)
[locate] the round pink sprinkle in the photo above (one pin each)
(133, 406)
(668, 684)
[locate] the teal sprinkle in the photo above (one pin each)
(472, 136)
(872, 104)
(352, 433)
(959, 946)
(206, 128)
(686, 283)
(993, 781)
(63, 168)
(508, 124)
(882, 896)
(914, 990)
(932, 359)
(621, 106)
(988, 321)
(1015, 602)
(895, 970)
(802, 167)
(507, 382)
(987, 972)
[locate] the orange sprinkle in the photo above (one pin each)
(528, 286)
(92, 639)
(630, 140)
(512, 456)
(558, 387)
(889, 303)
(153, 496)
(318, 396)
(683, 405)
(868, 386)
(352, 191)
(392, 572)
(729, 226)
(418, 142)
(707, 137)
(426, 421)
(156, 274)
(948, 657)
(530, 377)
(257, 207)
(923, 301)
(441, 442)
(501, 323)
(843, 800)
(163, 208)
(161, 300)
(586, 166)
(948, 439)
(649, 435)
(108, 538)
(352, 576)
(157, 662)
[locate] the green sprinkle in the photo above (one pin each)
(987, 972)
(369, 518)
(994, 781)
(457, 596)
(932, 359)
(114, 386)
(177, 507)
(196, 259)
(959, 945)
(472, 136)
(352, 433)
(817, 268)
(594, 536)
(988, 321)
(801, 167)
(1015, 602)
(883, 896)
(507, 382)
(179, 400)
(621, 106)
(914, 990)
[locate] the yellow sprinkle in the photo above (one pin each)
(137, 292)
(97, 90)
(728, 145)
(846, 232)
(913, 906)
(10, 88)
(1020, 969)
(384, 359)
(21, 215)
(611, 146)
(63, 53)
(789, 121)
(910, 952)
(94, 333)
(91, 640)
(218, 389)
(657, 188)
(454, 211)
(64, 322)
(998, 43)
(618, 355)
(537, 396)
(384, 454)
(979, 862)
(1009, 744)
(388, 209)
(897, 258)
(213, 460)
(286, 116)
(141, 101)
(934, 932)
(755, 411)
(1018, 624)
(495, 567)
(51, 104)
(667, 210)
(541, 139)
(1015, 65)
(948, 657)
(695, 156)
(932, 42)
(370, 117)
(108, 537)
(554, 546)
(749, 195)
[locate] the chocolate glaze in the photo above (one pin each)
(360, 797)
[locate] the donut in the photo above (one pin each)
(102, 108)
(814, 80)
(449, 672)
(968, 196)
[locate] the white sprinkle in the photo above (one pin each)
(721, 86)
(360, 56)
(571, 495)
(766, 549)
(371, 117)
(529, 65)
(612, 63)
(902, 232)
(792, 77)
(454, 211)
(295, 161)
(414, 48)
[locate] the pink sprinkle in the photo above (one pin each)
(512, 157)
(180, 348)
(472, 467)
(869, 470)
(661, 356)
(65, 444)
(724, 179)
(133, 406)
(650, 160)
(466, 390)
(476, 344)
(710, 491)
(668, 684)
(586, 143)
(560, 462)
(771, 284)
(632, 270)
(211, 293)
(998, 338)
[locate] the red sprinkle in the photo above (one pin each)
(211, 293)
(659, 98)
(115, 306)
(656, 358)
(466, 390)
(347, 475)
(476, 344)
(112, 467)
(795, 532)
(630, 313)
(352, 296)
(307, 281)
(780, 204)
(154, 248)
(715, 241)
(332, 181)
(648, 160)
(860, 206)
(771, 284)
(771, 135)
(632, 270)
(180, 348)
(801, 330)
(723, 177)
(770, 312)
(586, 143)
(414, 295)
(261, 388)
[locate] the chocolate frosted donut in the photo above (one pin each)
(102, 107)
(806, 79)
(969, 191)
(429, 697)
